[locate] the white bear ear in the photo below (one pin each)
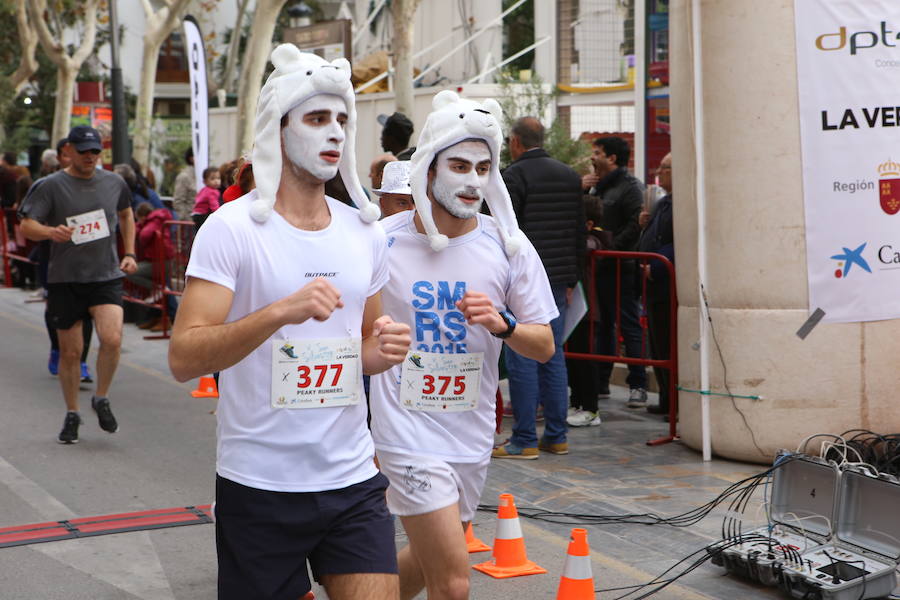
(444, 98)
(342, 63)
(285, 57)
(494, 108)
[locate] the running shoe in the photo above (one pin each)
(69, 433)
(584, 418)
(637, 398)
(86, 374)
(104, 414)
(53, 363)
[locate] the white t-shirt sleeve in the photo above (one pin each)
(215, 254)
(380, 273)
(529, 296)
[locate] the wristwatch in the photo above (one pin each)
(510, 325)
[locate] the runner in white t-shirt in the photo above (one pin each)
(465, 283)
(283, 298)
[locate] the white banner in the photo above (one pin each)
(848, 71)
(196, 57)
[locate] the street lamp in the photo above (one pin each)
(300, 15)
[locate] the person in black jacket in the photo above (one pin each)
(658, 237)
(546, 196)
(623, 198)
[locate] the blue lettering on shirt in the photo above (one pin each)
(436, 319)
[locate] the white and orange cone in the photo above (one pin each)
(509, 558)
(577, 581)
(206, 388)
(473, 544)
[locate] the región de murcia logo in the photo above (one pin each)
(889, 186)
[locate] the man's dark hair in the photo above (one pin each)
(60, 144)
(615, 145)
(9, 157)
(189, 155)
(529, 131)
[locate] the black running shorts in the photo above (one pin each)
(68, 303)
(264, 539)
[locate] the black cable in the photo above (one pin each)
(725, 373)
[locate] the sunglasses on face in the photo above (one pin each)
(93, 151)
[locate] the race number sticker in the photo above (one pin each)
(88, 226)
(435, 382)
(315, 373)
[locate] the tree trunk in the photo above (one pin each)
(233, 46)
(143, 118)
(28, 40)
(403, 14)
(259, 46)
(65, 91)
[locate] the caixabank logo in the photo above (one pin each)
(848, 258)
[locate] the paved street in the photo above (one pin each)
(163, 456)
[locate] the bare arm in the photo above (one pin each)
(531, 340)
(385, 343)
(126, 227)
(38, 232)
(203, 343)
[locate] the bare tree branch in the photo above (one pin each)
(28, 40)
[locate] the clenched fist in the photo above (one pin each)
(478, 309)
(393, 339)
(315, 300)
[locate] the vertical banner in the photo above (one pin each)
(848, 73)
(196, 57)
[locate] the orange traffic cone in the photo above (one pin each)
(509, 558)
(206, 388)
(473, 544)
(577, 581)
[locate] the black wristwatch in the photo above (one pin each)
(131, 254)
(510, 325)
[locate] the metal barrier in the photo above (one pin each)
(671, 363)
(168, 274)
(16, 249)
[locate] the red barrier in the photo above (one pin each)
(670, 364)
(16, 249)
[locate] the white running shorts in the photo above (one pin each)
(423, 484)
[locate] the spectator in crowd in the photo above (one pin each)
(140, 193)
(22, 185)
(396, 132)
(622, 195)
(49, 162)
(395, 194)
(8, 176)
(185, 188)
(376, 169)
(207, 201)
(243, 184)
(584, 374)
(77, 209)
(493, 272)
(151, 222)
(145, 177)
(546, 195)
(296, 480)
(658, 237)
(227, 173)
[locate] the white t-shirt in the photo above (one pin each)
(289, 450)
(423, 287)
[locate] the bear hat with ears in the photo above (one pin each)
(297, 77)
(454, 120)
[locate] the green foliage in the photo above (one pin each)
(518, 34)
(534, 99)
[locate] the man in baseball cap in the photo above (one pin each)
(85, 138)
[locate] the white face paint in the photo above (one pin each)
(314, 137)
(461, 174)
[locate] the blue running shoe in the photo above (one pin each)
(53, 363)
(86, 374)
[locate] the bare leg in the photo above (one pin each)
(371, 586)
(70, 342)
(437, 554)
(108, 322)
